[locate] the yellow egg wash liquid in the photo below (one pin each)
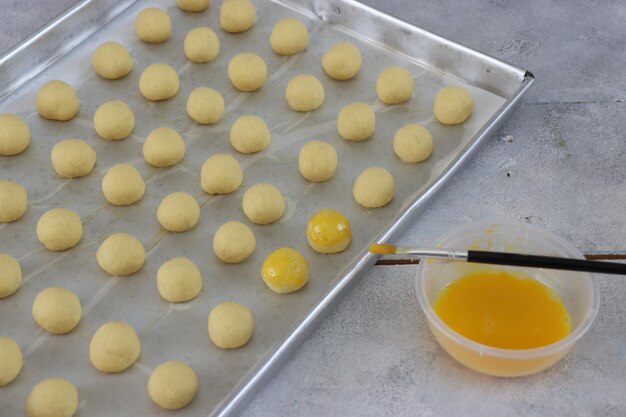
(503, 309)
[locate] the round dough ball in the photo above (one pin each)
(163, 147)
(10, 360)
(394, 85)
(285, 270)
(153, 25)
(172, 385)
(114, 347)
(14, 134)
(72, 158)
(178, 280)
(304, 93)
(201, 45)
(56, 100)
(159, 82)
(247, 72)
(121, 254)
(193, 5)
(112, 61)
(57, 310)
(453, 105)
(289, 36)
(178, 212)
(221, 174)
(317, 161)
(237, 15)
(328, 231)
(114, 120)
(374, 187)
(233, 242)
(59, 229)
(230, 325)
(413, 143)
(250, 134)
(13, 201)
(263, 204)
(54, 397)
(122, 185)
(10, 277)
(356, 121)
(342, 61)
(205, 105)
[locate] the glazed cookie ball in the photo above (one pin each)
(247, 72)
(153, 25)
(230, 325)
(10, 360)
(57, 310)
(233, 242)
(54, 397)
(163, 147)
(193, 5)
(374, 187)
(263, 204)
(356, 121)
(13, 201)
(394, 85)
(114, 347)
(317, 161)
(121, 254)
(289, 36)
(72, 158)
(179, 280)
(304, 93)
(221, 174)
(178, 212)
(453, 105)
(159, 82)
(172, 385)
(111, 61)
(201, 45)
(14, 134)
(342, 61)
(413, 143)
(249, 134)
(59, 229)
(56, 100)
(328, 231)
(237, 15)
(122, 185)
(114, 120)
(285, 270)
(205, 105)
(10, 276)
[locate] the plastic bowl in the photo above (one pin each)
(577, 290)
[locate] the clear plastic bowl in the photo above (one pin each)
(577, 290)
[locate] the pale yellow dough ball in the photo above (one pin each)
(114, 120)
(153, 25)
(221, 174)
(163, 147)
(342, 61)
(72, 158)
(285, 270)
(413, 143)
(356, 121)
(247, 72)
(317, 161)
(249, 134)
(233, 242)
(114, 347)
(112, 61)
(54, 397)
(59, 229)
(304, 93)
(172, 385)
(159, 82)
(230, 325)
(57, 310)
(289, 36)
(10, 276)
(394, 85)
(374, 187)
(121, 254)
(56, 100)
(263, 204)
(13, 201)
(122, 185)
(10, 360)
(237, 15)
(453, 105)
(201, 45)
(179, 280)
(193, 5)
(205, 105)
(178, 212)
(14, 134)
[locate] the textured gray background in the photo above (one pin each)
(559, 162)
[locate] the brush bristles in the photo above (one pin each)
(383, 248)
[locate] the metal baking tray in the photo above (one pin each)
(167, 331)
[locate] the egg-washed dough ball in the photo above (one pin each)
(328, 231)
(172, 385)
(230, 325)
(122, 185)
(250, 134)
(201, 45)
(233, 242)
(289, 36)
(159, 82)
(72, 158)
(453, 105)
(59, 229)
(10, 360)
(153, 25)
(205, 105)
(394, 85)
(114, 120)
(114, 347)
(221, 174)
(57, 310)
(356, 121)
(374, 187)
(179, 280)
(121, 254)
(317, 161)
(413, 143)
(342, 61)
(304, 93)
(247, 72)
(14, 134)
(163, 147)
(56, 100)
(13, 201)
(10, 276)
(237, 15)
(285, 270)
(54, 397)
(178, 212)
(193, 5)
(112, 61)
(263, 204)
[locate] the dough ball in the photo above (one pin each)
(159, 82)
(114, 347)
(178, 212)
(59, 229)
(179, 280)
(289, 36)
(221, 174)
(193, 5)
(328, 231)
(10, 360)
(122, 185)
(263, 204)
(14, 134)
(111, 60)
(57, 310)
(394, 85)
(374, 187)
(342, 61)
(13, 201)
(230, 325)
(317, 161)
(172, 385)
(247, 72)
(163, 147)
(205, 105)
(233, 242)
(201, 45)
(250, 134)
(153, 25)
(72, 158)
(237, 15)
(285, 270)
(413, 143)
(121, 254)
(304, 93)
(10, 278)
(54, 397)
(114, 120)
(453, 105)
(356, 121)
(56, 100)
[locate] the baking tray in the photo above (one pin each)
(178, 331)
